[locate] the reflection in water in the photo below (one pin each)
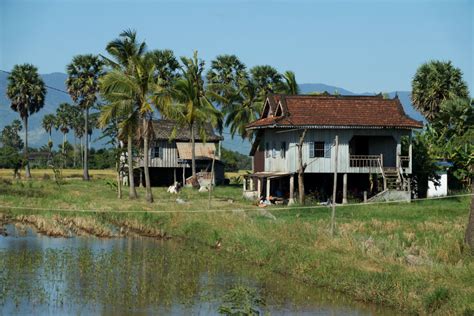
(42, 275)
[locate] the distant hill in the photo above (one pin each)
(38, 137)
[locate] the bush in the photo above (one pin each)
(436, 299)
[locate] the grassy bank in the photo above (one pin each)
(408, 256)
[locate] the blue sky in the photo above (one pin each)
(358, 45)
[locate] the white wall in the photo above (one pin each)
(441, 190)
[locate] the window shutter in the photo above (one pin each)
(152, 152)
(327, 150)
(311, 150)
(161, 152)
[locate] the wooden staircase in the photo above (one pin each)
(391, 179)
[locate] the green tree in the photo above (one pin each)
(290, 85)
(26, 91)
(191, 106)
(123, 50)
(64, 118)
(245, 108)
(83, 85)
(435, 82)
(224, 77)
(48, 123)
(267, 80)
(12, 144)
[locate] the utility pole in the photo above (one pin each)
(334, 189)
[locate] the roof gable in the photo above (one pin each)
(329, 111)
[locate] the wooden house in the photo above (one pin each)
(171, 153)
(370, 154)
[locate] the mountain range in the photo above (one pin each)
(38, 137)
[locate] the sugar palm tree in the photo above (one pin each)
(191, 105)
(26, 91)
(48, 124)
(83, 85)
(64, 115)
(267, 80)
(290, 85)
(435, 82)
(224, 77)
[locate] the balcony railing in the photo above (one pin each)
(365, 161)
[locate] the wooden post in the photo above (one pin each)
(184, 174)
(245, 184)
(409, 189)
(344, 188)
(291, 199)
(211, 185)
(268, 189)
(365, 196)
(301, 167)
(383, 173)
(334, 189)
(174, 175)
(410, 152)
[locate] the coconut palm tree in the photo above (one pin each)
(122, 50)
(290, 85)
(191, 105)
(244, 109)
(83, 85)
(435, 82)
(132, 91)
(26, 91)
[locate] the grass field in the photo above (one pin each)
(407, 256)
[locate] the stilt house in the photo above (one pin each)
(171, 153)
(371, 157)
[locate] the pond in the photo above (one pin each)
(84, 275)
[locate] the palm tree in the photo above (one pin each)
(224, 77)
(245, 109)
(48, 123)
(435, 82)
(83, 85)
(132, 92)
(267, 80)
(27, 92)
(191, 106)
(123, 50)
(290, 85)
(64, 116)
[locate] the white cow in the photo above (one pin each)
(174, 189)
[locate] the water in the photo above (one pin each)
(83, 275)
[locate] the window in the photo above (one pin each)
(157, 152)
(274, 152)
(283, 150)
(319, 150)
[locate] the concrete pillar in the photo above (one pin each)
(245, 184)
(410, 155)
(268, 188)
(399, 152)
(251, 184)
(344, 188)
(291, 199)
(365, 196)
(259, 187)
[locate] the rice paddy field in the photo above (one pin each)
(409, 257)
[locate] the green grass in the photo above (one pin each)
(407, 256)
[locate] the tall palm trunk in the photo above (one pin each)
(133, 192)
(25, 150)
(85, 175)
(75, 150)
(117, 168)
(146, 158)
(64, 151)
(193, 152)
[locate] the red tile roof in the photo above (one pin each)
(338, 111)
